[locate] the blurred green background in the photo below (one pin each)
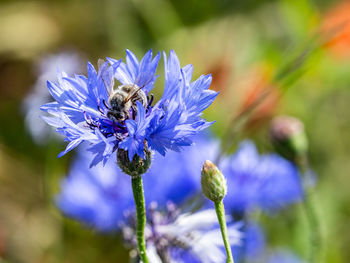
(242, 43)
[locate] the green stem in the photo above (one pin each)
(315, 235)
(137, 189)
(220, 212)
(311, 214)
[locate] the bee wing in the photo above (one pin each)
(132, 94)
(100, 63)
(106, 74)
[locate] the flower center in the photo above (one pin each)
(121, 106)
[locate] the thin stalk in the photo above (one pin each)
(312, 218)
(315, 235)
(137, 188)
(220, 212)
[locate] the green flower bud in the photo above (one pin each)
(213, 182)
(289, 138)
(137, 166)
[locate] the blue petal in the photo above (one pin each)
(132, 65)
(70, 147)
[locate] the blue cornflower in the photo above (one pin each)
(91, 109)
(253, 243)
(95, 196)
(99, 196)
(46, 69)
(254, 240)
(268, 181)
(176, 177)
(175, 236)
(265, 181)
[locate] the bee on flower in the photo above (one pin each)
(94, 109)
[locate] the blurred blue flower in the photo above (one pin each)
(96, 197)
(46, 69)
(253, 243)
(82, 111)
(254, 240)
(176, 177)
(99, 196)
(265, 181)
(173, 236)
(284, 256)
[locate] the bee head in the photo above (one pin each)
(117, 116)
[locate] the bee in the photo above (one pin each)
(123, 99)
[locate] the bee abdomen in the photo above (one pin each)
(141, 97)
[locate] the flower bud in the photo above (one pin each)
(137, 166)
(289, 138)
(213, 182)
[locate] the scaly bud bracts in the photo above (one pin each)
(213, 182)
(137, 166)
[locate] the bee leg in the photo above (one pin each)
(105, 103)
(150, 101)
(129, 113)
(100, 109)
